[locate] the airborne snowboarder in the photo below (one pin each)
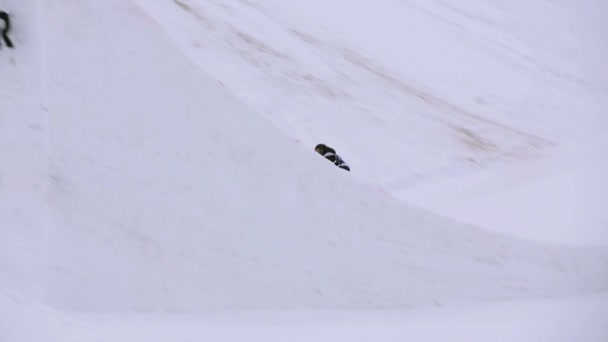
(330, 154)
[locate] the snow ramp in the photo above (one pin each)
(132, 181)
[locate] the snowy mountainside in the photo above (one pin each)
(158, 189)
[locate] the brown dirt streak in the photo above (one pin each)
(365, 64)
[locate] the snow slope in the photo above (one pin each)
(410, 91)
(166, 193)
(133, 181)
(427, 98)
(556, 320)
(23, 151)
(560, 198)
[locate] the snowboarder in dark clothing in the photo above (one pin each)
(330, 154)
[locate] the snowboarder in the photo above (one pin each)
(330, 154)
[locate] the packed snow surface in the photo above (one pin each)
(157, 156)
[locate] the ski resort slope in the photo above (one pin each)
(134, 183)
(428, 99)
